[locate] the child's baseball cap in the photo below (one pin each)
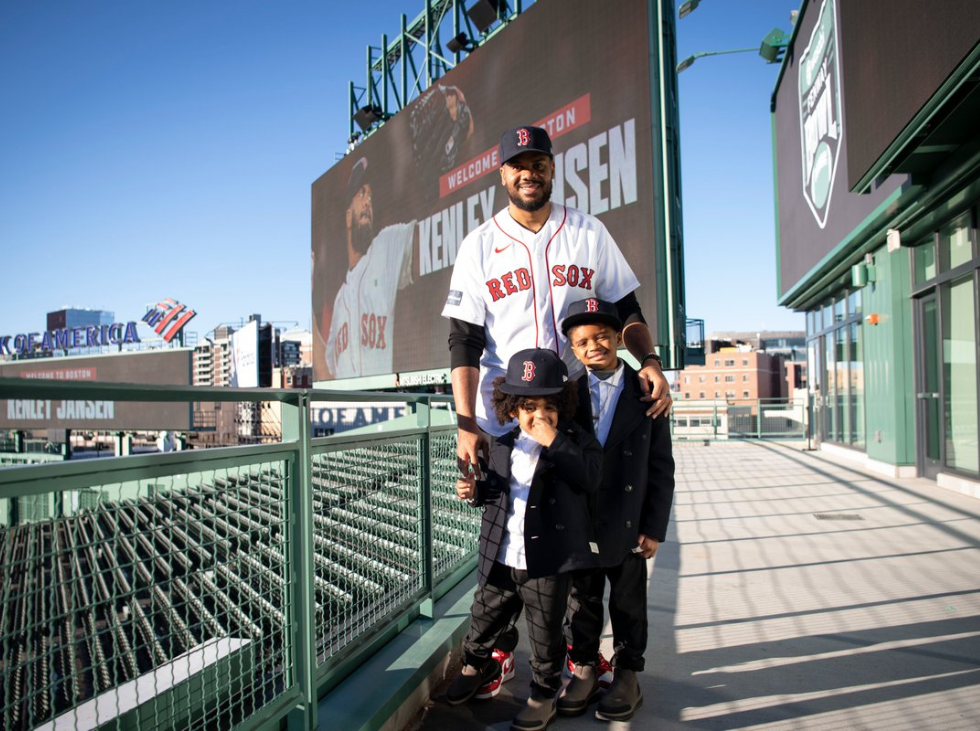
(535, 372)
(591, 311)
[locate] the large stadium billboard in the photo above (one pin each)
(170, 367)
(579, 68)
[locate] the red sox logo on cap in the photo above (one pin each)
(523, 137)
(591, 305)
(528, 371)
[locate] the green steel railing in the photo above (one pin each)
(220, 588)
(738, 419)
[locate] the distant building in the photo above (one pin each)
(791, 344)
(72, 317)
(733, 375)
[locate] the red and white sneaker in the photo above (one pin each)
(605, 672)
(507, 671)
(604, 669)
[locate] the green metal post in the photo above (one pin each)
(429, 60)
(403, 39)
(758, 420)
(370, 81)
(423, 417)
(353, 108)
(384, 73)
(296, 429)
(714, 419)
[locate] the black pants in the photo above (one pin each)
(495, 605)
(627, 611)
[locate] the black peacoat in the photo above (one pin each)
(637, 472)
(557, 528)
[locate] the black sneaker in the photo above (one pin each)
(465, 687)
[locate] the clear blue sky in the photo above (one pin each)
(166, 149)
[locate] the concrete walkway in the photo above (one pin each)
(796, 593)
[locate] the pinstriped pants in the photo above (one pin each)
(544, 600)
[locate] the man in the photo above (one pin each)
(513, 281)
(359, 342)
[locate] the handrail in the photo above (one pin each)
(291, 568)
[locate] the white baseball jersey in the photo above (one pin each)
(361, 325)
(519, 284)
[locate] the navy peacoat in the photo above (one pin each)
(637, 472)
(557, 529)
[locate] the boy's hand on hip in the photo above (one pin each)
(648, 546)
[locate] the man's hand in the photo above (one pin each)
(466, 488)
(648, 546)
(470, 446)
(655, 389)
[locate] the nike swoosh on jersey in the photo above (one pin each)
(497, 251)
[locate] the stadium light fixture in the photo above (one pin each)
(774, 46)
(689, 61)
(459, 43)
(687, 8)
(485, 13)
(367, 116)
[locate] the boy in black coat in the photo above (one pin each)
(630, 513)
(535, 529)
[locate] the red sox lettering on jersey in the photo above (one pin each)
(518, 285)
(520, 280)
(360, 327)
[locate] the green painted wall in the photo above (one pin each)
(889, 361)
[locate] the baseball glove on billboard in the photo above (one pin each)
(441, 122)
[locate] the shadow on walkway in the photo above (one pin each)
(796, 593)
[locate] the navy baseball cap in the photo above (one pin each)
(535, 372)
(524, 139)
(357, 178)
(591, 311)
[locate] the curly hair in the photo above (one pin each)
(505, 404)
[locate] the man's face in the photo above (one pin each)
(528, 179)
(595, 346)
(360, 219)
(538, 408)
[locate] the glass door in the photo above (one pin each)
(928, 381)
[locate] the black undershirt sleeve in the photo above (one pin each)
(466, 343)
(629, 310)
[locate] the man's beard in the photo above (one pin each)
(361, 236)
(532, 205)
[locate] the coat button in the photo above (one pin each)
(629, 523)
(551, 501)
(628, 488)
(627, 453)
(559, 527)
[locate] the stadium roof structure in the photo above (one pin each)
(404, 66)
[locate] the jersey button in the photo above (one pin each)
(629, 523)
(628, 488)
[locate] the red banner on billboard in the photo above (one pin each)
(564, 120)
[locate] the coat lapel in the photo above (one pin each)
(630, 411)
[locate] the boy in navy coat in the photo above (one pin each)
(630, 513)
(535, 529)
